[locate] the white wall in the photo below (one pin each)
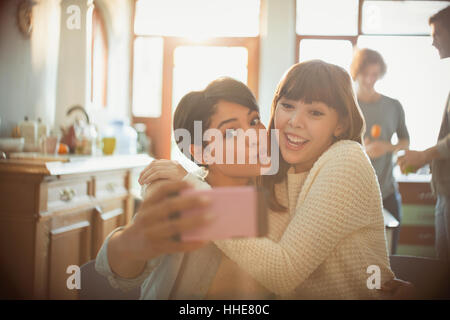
(28, 66)
(277, 51)
(74, 80)
(31, 83)
(73, 46)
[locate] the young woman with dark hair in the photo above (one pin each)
(148, 252)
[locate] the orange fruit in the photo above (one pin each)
(63, 148)
(375, 131)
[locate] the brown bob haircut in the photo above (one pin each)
(316, 81)
(364, 57)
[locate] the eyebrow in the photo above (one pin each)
(232, 119)
(226, 121)
(286, 100)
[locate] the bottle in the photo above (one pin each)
(126, 137)
(41, 135)
(41, 129)
(28, 130)
(143, 143)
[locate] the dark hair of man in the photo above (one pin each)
(443, 17)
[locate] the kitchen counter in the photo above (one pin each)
(72, 164)
(56, 213)
(411, 177)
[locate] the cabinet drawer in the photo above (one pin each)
(67, 193)
(417, 235)
(416, 193)
(112, 185)
(106, 218)
(69, 245)
(417, 215)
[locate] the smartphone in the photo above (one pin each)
(241, 212)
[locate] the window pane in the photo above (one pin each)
(418, 79)
(197, 18)
(147, 77)
(327, 17)
(399, 17)
(196, 66)
(332, 51)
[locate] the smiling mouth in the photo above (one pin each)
(294, 141)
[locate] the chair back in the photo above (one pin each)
(430, 277)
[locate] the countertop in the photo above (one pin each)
(72, 164)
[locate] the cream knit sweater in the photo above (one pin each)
(333, 231)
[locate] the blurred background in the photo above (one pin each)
(134, 60)
(117, 69)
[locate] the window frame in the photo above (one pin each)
(159, 128)
(98, 20)
(352, 38)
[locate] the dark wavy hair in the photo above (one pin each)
(442, 16)
(201, 105)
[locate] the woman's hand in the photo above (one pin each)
(156, 229)
(397, 289)
(160, 170)
(411, 161)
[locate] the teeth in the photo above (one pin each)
(295, 139)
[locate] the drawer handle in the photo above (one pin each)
(66, 194)
(111, 187)
(426, 196)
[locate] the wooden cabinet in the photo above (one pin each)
(69, 244)
(417, 232)
(107, 217)
(50, 221)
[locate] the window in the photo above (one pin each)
(206, 63)
(422, 88)
(399, 17)
(181, 46)
(327, 17)
(197, 18)
(147, 76)
(399, 31)
(334, 51)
